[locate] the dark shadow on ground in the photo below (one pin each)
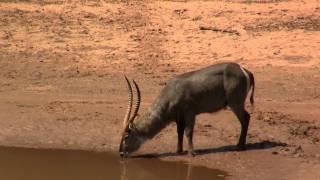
(230, 148)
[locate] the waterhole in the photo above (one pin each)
(33, 164)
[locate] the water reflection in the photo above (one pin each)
(146, 169)
(31, 164)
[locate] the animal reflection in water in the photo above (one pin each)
(145, 169)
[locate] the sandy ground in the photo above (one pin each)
(62, 86)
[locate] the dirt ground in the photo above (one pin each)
(62, 86)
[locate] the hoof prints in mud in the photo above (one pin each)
(294, 129)
(295, 151)
(297, 134)
(305, 130)
(308, 23)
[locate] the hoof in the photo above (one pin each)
(241, 147)
(179, 151)
(191, 153)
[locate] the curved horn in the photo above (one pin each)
(137, 105)
(130, 94)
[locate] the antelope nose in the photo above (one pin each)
(121, 154)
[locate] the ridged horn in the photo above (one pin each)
(137, 105)
(129, 108)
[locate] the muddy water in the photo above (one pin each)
(31, 164)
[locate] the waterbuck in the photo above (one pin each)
(202, 91)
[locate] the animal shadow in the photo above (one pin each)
(229, 148)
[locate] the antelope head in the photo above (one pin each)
(130, 139)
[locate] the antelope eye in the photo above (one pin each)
(131, 126)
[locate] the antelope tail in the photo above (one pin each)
(252, 86)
